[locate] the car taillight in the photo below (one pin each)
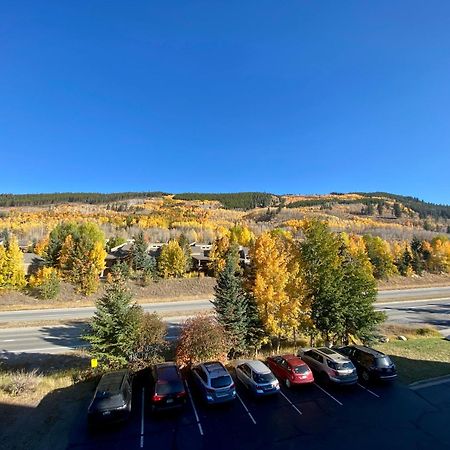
(157, 398)
(232, 386)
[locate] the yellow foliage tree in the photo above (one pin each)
(12, 273)
(275, 283)
(217, 256)
(172, 261)
(241, 235)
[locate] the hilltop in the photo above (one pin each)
(202, 216)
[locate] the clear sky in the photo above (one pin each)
(217, 96)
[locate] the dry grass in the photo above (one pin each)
(160, 291)
(410, 332)
(426, 280)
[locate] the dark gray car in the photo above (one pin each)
(112, 398)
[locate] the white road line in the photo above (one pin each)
(368, 390)
(246, 409)
(142, 418)
(195, 409)
(8, 340)
(285, 396)
(329, 395)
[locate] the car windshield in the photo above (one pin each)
(220, 382)
(384, 361)
(301, 369)
(169, 387)
(261, 378)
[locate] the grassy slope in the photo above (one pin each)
(420, 358)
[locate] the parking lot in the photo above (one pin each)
(310, 417)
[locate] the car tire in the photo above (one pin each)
(365, 376)
(288, 383)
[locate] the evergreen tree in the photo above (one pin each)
(116, 324)
(380, 209)
(418, 260)
(323, 275)
(255, 334)
(405, 263)
(359, 294)
(231, 304)
(397, 210)
(139, 252)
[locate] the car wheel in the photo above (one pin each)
(288, 383)
(365, 375)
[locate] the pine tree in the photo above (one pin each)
(323, 275)
(359, 294)
(230, 304)
(139, 252)
(255, 334)
(418, 261)
(115, 327)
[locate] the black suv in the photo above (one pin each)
(370, 363)
(112, 398)
(168, 388)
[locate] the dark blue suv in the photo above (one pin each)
(370, 364)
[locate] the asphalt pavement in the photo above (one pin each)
(312, 417)
(63, 338)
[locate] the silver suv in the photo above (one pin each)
(257, 377)
(329, 365)
(214, 382)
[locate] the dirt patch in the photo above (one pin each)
(426, 280)
(162, 290)
(44, 418)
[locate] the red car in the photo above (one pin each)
(291, 369)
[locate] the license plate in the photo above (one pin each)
(170, 400)
(106, 413)
(221, 394)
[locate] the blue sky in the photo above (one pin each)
(217, 96)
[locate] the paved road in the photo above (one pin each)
(86, 312)
(58, 338)
(313, 417)
(61, 338)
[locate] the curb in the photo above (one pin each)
(429, 383)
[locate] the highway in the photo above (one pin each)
(432, 309)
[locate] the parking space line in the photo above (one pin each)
(368, 390)
(285, 396)
(246, 409)
(142, 418)
(197, 418)
(329, 395)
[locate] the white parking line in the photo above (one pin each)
(195, 409)
(282, 393)
(142, 418)
(246, 409)
(329, 395)
(368, 390)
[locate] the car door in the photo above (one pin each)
(275, 367)
(246, 375)
(284, 369)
